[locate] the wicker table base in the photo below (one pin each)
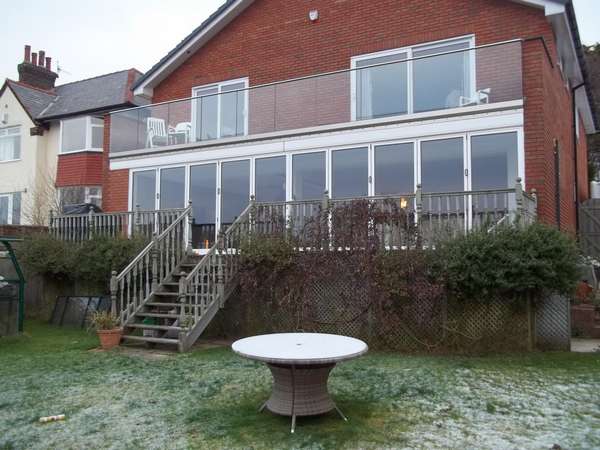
(300, 390)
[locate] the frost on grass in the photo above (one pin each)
(209, 399)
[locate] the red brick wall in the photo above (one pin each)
(115, 189)
(79, 169)
(274, 40)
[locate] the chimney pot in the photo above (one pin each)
(27, 54)
(48, 63)
(41, 56)
(34, 58)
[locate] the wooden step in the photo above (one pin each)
(143, 326)
(152, 339)
(166, 294)
(163, 305)
(160, 315)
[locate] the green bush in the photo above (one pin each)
(509, 262)
(91, 261)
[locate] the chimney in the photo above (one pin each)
(36, 70)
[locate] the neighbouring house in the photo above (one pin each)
(51, 138)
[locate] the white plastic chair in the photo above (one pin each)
(156, 132)
(481, 97)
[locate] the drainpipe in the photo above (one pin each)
(575, 158)
(557, 182)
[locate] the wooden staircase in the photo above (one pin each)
(167, 295)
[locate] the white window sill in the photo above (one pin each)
(85, 150)
(9, 161)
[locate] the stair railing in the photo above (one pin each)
(208, 282)
(157, 261)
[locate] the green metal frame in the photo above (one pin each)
(6, 241)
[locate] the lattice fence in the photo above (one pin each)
(422, 319)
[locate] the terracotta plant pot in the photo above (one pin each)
(110, 338)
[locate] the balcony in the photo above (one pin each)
(446, 79)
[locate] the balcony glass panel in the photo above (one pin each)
(394, 169)
(413, 80)
(350, 173)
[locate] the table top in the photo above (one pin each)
(300, 348)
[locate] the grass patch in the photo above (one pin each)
(209, 399)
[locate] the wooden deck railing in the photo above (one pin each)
(81, 227)
(157, 261)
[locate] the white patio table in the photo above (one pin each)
(300, 364)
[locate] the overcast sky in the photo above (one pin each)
(92, 38)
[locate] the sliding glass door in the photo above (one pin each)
(235, 190)
(172, 188)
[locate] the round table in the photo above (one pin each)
(300, 364)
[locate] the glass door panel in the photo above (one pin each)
(493, 166)
(308, 176)
(203, 195)
(350, 173)
(172, 188)
(394, 169)
(207, 114)
(235, 190)
(144, 189)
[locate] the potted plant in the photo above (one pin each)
(106, 325)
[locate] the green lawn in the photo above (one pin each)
(209, 399)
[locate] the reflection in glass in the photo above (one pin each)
(172, 188)
(308, 176)
(270, 179)
(144, 189)
(207, 116)
(381, 91)
(394, 169)
(203, 191)
(440, 81)
(350, 173)
(232, 110)
(235, 190)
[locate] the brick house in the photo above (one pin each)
(51, 138)
(286, 99)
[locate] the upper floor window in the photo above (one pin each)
(220, 110)
(415, 79)
(10, 143)
(82, 134)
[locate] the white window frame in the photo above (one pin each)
(89, 125)
(5, 134)
(219, 86)
(409, 51)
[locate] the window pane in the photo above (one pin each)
(308, 176)
(381, 91)
(73, 134)
(74, 195)
(493, 161)
(235, 190)
(3, 210)
(207, 114)
(439, 81)
(442, 165)
(232, 110)
(394, 169)
(97, 121)
(350, 173)
(97, 137)
(270, 179)
(144, 189)
(16, 208)
(203, 195)
(10, 144)
(172, 188)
